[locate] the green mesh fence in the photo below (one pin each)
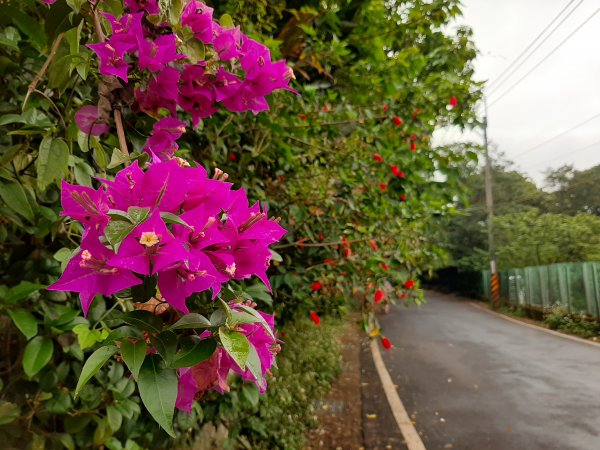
(576, 285)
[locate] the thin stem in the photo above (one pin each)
(121, 131)
(42, 71)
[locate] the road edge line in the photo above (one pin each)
(412, 438)
(536, 327)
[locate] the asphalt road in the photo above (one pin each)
(471, 380)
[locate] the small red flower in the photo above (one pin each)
(413, 137)
(282, 178)
(321, 237)
(316, 286)
(302, 116)
(416, 112)
(453, 101)
(347, 253)
(379, 295)
(383, 186)
(325, 108)
(409, 284)
(397, 172)
(377, 157)
(373, 244)
(397, 120)
(329, 262)
(386, 107)
(402, 197)
(413, 146)
(403, 295)
(232, 156)
(315, 318)
(369, 284)
(386, 343)
(384, 266)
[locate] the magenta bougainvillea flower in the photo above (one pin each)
(90, 274)
(196, 233)
(111, 55)
(87, 119)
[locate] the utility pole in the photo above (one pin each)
(489, 201)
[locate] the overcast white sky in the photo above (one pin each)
(561, 93)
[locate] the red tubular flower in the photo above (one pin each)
(403, 295)
(409, 284)
(232, 156)
(413, 137)
(379, 295)
(316, 286)
(397, 120)
(384, 266)
(321, 237)
(347, 253)
(373, 244)
(329, 262)
(413, 146)
(315, 318)
(396, 171)
(325, 108)
(386, 107)
(386, 343)
(377, 157)
(453, 101)
(383, 186)
(369, 284)
(402, 197)
(302, 116)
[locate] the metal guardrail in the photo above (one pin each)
(576, 285)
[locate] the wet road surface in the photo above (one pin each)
(471, 380)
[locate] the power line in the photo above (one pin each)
(562, 155)
(557, 136)
(531, 44)
(512, 86)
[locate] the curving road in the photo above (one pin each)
(471, 380)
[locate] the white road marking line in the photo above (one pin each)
(412, 438)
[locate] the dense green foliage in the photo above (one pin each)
(532, 226)
(373, 78)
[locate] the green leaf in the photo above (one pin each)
(192, 320)
(8, 412)
(236, 345)
(116, 231)
(144, 321)
(197, 354)
(10, 38)
(255, 367)
(137, 214)
(16, 199)
(21, 291)
(133, 354)
(52, 162)
(88, 338)
(218, 317)
(67, 441)
(158, 391)
(259, 318)
(25, 322)
(165, 344)
(117, 158)
(37, 354)
(226, 21)
(28, 25)
(93, 365)
(167, 217)
(114, 418)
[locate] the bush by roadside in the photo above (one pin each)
(308, 364)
